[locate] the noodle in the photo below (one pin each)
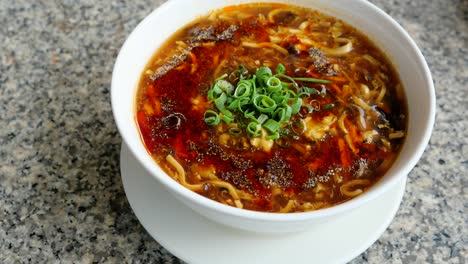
(275, 39)
(313, 206)
(194, 62)
(265, 44)
(397, 134)
(181, 174)
(342, 50)
(230, 188)
(361, 103)
(212, 16)
(208, 44)
(308, 41)
(288, 207)
(198, 187)
(341, 123)
(225, 17)
(276, 191)
(371, 59)
(365, 90)
(181, 44)
(181, 67)
(219, 67)
(346, 189)
(273, 13)
(362, 121)
(381, 94)
(349, 141)
(304, 25)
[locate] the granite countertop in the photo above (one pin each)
(61, 195)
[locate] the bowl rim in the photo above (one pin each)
(355, 202)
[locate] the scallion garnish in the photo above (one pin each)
(328, 106)
(264, 101)
(212, 118)
(312, 80)
(235, 131)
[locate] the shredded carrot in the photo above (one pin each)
(150, 91)
(193, 57)
(353, 137)
(142, 122)
(354, 133)
(315, 164)
(157, 106)
(353, 130)
(351, 81)
(351, 144)
(180, 148)
(335, 88)
(232, 8)
(345, 91)
(181, 67)
(311, 72)
(215, 59)
(344, 154)
(336, 78)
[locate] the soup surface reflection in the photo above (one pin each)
(272, 108)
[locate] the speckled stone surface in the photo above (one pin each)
(61, 196)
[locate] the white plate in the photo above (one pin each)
(195, 239)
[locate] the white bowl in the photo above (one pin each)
(387, 34)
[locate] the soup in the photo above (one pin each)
(271, 107)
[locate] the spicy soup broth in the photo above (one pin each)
(338, 116)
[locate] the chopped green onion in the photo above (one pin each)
(283, 113)
(234, 104)
(261, 101)
(262, 118)
(240, 73)
(235, 131)
(280, 68)
(254, 129)
(223, 86)
(243, 89)
(264, 104)
(219, 102)
(315, 105)
(273, 84)
(310, 109)
(291, 79)
(328, 106)
(221, 77)
(227, 119)
(309, 91)
(275, 135)
(263, 73)
(211, 118)
(271, 125)
(312, 80)
(250, 115)
(296, 105)
(278, 98)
